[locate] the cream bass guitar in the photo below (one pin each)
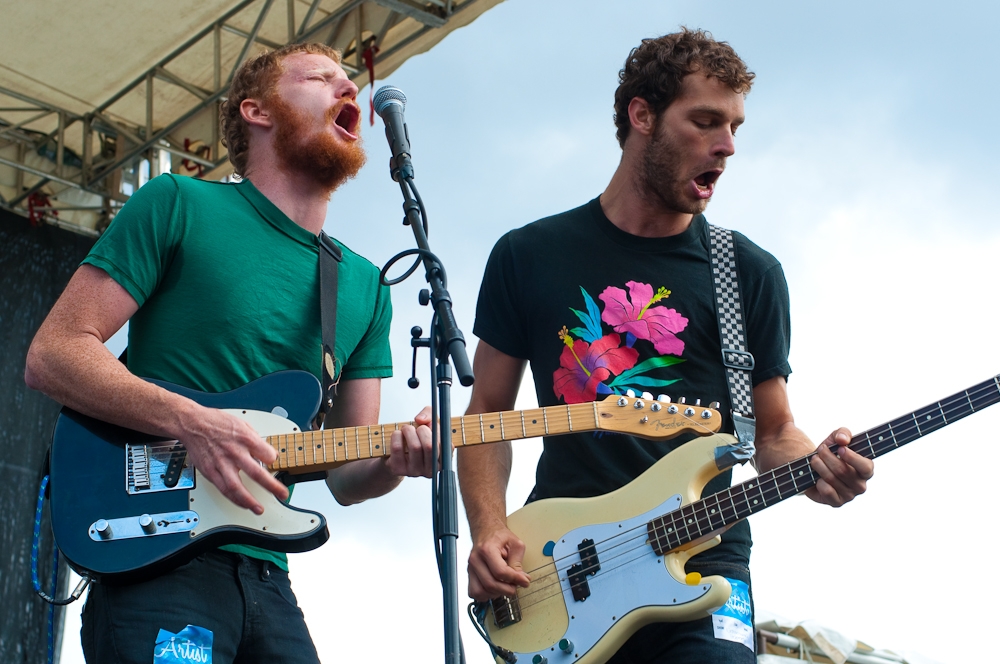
(603, 567)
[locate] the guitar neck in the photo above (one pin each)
(709, 515)
(318, 450)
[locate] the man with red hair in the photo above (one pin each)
(220, 285)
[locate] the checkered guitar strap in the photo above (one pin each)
(736, 358)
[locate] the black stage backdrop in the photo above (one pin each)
(35, 264)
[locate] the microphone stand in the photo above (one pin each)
(445, 340)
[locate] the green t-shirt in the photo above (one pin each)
(228, 291)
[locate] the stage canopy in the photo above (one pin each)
(98, 96)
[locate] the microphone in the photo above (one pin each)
(389, 103)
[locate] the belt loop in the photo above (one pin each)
(265, 571)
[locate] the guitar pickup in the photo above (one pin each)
(588, 557)
(160, 466)
(577, 577)
(506, 611)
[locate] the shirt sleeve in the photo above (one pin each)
(498, 322)
(138, 245)
(769, 325)
(372, 358)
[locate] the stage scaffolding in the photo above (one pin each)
(94, 101)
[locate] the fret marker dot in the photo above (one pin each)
(755, 502)
(928, 417)
(376, 447)
(690, 520)
(282, 449)
(319, 447)
(880, 437)
(750, 486)
(340, 444)
(491, 426)
(670, 530)
(300, 448)
(534, 421)
(713, 511)
(454, 430)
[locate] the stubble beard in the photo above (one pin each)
(318, 156)
(661, 177)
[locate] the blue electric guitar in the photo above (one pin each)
(126, 505)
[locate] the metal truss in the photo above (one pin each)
(90, 162)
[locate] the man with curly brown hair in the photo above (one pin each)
(220, 285)
(554, 294)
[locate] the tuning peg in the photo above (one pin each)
(714, 405)
(663, 398)
(682, 400)
(647, 396)
(630, 394)
(697, 402)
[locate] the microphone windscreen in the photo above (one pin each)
(386, 95)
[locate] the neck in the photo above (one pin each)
(301, 199)
(636, 211)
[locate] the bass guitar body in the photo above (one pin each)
(127, 506)
(595, 578)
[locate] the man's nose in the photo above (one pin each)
(725, 145)
(347, 89)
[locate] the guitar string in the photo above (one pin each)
(856, 439)
(949, 406)
(174, 446)
(694, 424)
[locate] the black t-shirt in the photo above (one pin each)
(597, 311)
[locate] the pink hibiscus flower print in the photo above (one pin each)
(634, 313)
(584, 367)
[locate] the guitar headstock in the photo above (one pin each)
(657, 419)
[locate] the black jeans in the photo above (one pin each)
(246, 603)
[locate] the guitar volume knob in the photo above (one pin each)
(103, 528)
(147, 524)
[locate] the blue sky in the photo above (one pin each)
(867, 166)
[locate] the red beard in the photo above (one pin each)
(318, 156)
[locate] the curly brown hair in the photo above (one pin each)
(255, 79)
(654, 70)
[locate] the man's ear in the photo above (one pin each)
(255, 114)
(641, 116)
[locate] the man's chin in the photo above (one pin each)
(329, 165)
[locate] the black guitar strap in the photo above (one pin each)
(736, 358)
(330, 256)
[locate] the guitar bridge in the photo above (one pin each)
(160, 466)
(506, 611)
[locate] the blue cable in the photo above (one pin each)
(50, 621)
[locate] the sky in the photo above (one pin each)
(866, 166)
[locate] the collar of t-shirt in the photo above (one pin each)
(274, 216)
(647, 244)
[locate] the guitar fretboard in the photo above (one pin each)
(316, 450)
(705, 517)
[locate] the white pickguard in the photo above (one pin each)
(216, 511)
(632, 576)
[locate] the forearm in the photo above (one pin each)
(77, 370)
(785, 443)
(483, 474)
(358, 481)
